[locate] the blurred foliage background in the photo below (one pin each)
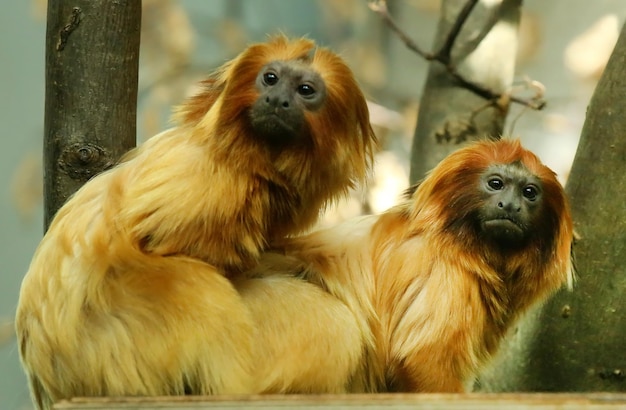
(564, 45)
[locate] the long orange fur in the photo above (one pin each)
(430, 300)
(129, 292)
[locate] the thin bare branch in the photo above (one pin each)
(443, 55)
(380, 7)
(536, 102)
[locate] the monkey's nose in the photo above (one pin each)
(509, 206)
(277, 102)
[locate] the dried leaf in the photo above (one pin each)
(27, 185)
(7, 331)
(38, 9)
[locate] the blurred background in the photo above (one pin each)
(564, 45)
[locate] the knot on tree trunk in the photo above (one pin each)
(81, 161)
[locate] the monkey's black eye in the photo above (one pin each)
(306, 90)
(530, 192)
(495, 184)
(270, 78)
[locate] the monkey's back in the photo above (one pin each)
(97, 316)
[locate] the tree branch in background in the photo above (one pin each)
(443, 55)
(467, 93)
(92, 54)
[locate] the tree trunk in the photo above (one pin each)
(577, 341)
(92, 54)
(484, 53)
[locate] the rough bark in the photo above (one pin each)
(577, 341)
(92, 54)
(484, 53)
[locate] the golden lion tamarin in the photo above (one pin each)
(129, 292)
(434, 283)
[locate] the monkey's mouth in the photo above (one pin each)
(503, 229)
(502, 223)
(274, 128)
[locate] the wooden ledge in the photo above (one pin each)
(473, 401)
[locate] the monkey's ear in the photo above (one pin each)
(195, 107)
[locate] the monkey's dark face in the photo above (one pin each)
(288, 90)
(512, 198)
